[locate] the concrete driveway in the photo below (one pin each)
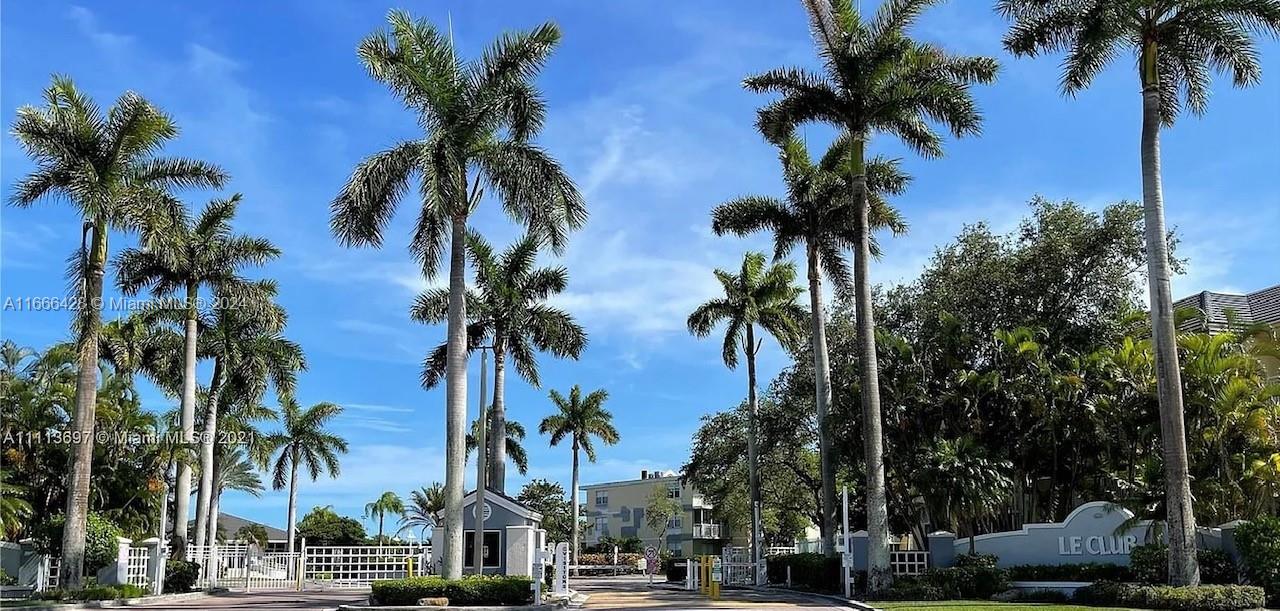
(633, 592)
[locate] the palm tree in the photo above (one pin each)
(478, 117)
(507, 311)
(1177, 43)
(580, 418)
(423, 510)
(15, 511)
(513, 449)
(388, 503)
(108, 168)
(250, 354)
(754, 296)
(189, 255)
(818, 214)
(304, 442)
(238, 420)
(876, 79)
(969, 485)
(233, 470)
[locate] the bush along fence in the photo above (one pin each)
(1098, 555)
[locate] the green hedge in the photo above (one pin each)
(814, 572)
(1092, 571)
(470, 590)
(93, 592)
(1150, 565)
(1259, 543)
(1186, 598)
(974, 577)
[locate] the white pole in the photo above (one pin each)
(847, 547)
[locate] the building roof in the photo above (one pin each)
(647, 476)
(1219, 310)
(229, 524)
(504, 501)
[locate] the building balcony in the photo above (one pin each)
(700, 502)
(706, 531)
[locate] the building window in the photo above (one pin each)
(673, 491)
(602, 498)
(602, 525)
(492, 548)
(676, 522)
(676, 550)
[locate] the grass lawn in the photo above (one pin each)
(977, 605)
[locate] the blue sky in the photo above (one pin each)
(648, 115)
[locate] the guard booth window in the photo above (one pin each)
(492, 546)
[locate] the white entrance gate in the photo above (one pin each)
(360, 566)
(737, 567)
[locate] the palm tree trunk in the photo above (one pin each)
(214, 497)
(498, 433)
(73, 532)
(182, 495)
(573, 546)
(753, 456)
(879, 574)
(1183, 568)
(455, 402)
(164, 506)
(205, 493)
(293, 497)
(822, 389)
(213, 516)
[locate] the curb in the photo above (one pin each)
(131, 602)
(852, 604)
(547, 607)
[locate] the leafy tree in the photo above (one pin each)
(548, 499)
(322, 526)
(304, 442)
(659, 510)
(1176, 44)
(514, 446)
(423, 510)
(876, 79)
(479, 118)
(507, 311)
(388, 503)
(189, 254)
(755, 296)
(108, 168)
(579, 419)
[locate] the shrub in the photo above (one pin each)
(180, 576)
(470, 590)
(628, 559)
(911, 588)
(1092, 571)
(1186, 598)
(814, 572)
(1150, 565)
(101, 541)
(1032, 596)
(93, 592)
(7, 579)
(976, 581)
(1259, 544)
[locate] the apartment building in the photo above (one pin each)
(1215, 312)
(617, 509)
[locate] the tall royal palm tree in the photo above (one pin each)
(875, 79)
(109, 169)
(478, 118)
(755, 296)
(423, 510)
(389, 503)
(233, 470)
(818, 214)
(507, 311)
(195, 253)
(579, 419)
(1177, 45)
(513, 449)
(306, 443)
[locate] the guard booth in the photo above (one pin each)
(512, 534)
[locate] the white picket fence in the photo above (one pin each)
(241, 566)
